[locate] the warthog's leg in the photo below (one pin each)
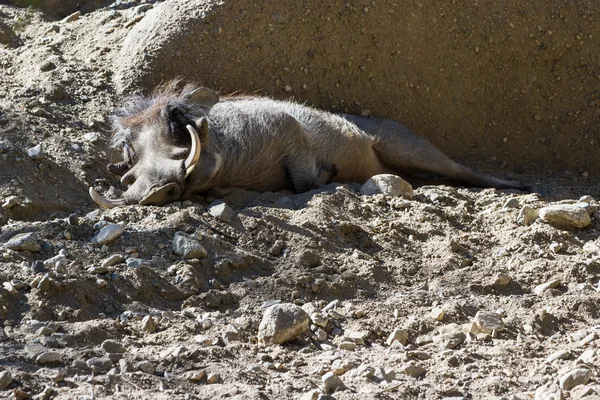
(405, 152)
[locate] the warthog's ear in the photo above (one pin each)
(203, 97)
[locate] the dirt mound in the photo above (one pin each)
(516, 83)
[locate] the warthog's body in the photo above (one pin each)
(264, 145)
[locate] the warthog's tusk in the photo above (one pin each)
(192, 160)
(103, 201)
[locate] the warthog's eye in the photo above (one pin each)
(177, 122)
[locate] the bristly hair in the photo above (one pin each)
(138, 109)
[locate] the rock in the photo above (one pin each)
(112, 346)
(382, 374)
(312, 395)
(112, 260)
(99, 364)
(108, 234)
(148, 324)
(450, 340)
(556, 247)
(195, 376)
(187, 247)
(221, 211)
(501, 279)
(486, 322)
(97, 270)
(549, 391)
(145, 366)
(591, 248)
(5, 379)
(437, 313)
(48, 357)
(581, 392)
(38, 267)
(213, 378)
(559, 355)
(527, 216)
(36, 152)
(575, 377)
(125, 366)
(387, 184)
(397, 335)
(540, 289)
(10, 202)
(282, 323)
(331, 383)
(565, 216)
(44, 284)
(350, 346)
(513, 202)
(24, 242)
(134, 262)
(412, 369)
(71, 18)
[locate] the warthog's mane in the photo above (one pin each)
(138, 109)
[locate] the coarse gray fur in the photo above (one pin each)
(265, 145)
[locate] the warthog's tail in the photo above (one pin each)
(408, 154)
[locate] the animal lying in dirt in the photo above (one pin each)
(178, 143)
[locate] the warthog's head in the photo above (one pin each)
(161, 139)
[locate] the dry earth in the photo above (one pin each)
(363, 267)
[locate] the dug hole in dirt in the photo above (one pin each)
(449, 293)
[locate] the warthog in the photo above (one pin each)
(177, 143)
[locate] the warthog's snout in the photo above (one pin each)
(159, 196)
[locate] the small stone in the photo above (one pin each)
(350, 346)
(145, 366)
(587, 199)
(97, 270)
(412, 369)
(321, 334)
(527, 216)
(195, 376)
(99, 364)
(486, 322)
(10, 202)
(559, 355)
(108, 234)
(112, 260)
(331, 383)
(576, 377)
(591, 248)
(437, 313)
(382, 374)
(450, 340)
(134, 262)
(556, 247)
(38, 267)
(44, 284)
(5, 379)
(387, 184)
(513, 202)
(213, 378)
(565, 216)
(71, 18)
(540, 289)
(142, 8)
(397, 335)
(112, 346)
(501, 279)
(48, 357)
(125, 366)
(581, 392)
(549, 391)
(288, 88)
(314, 394)
(187, 247)
(148, 324)
(220, 210)
(20, 394)
(36, 152)
(282, 323)
(24, 242)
